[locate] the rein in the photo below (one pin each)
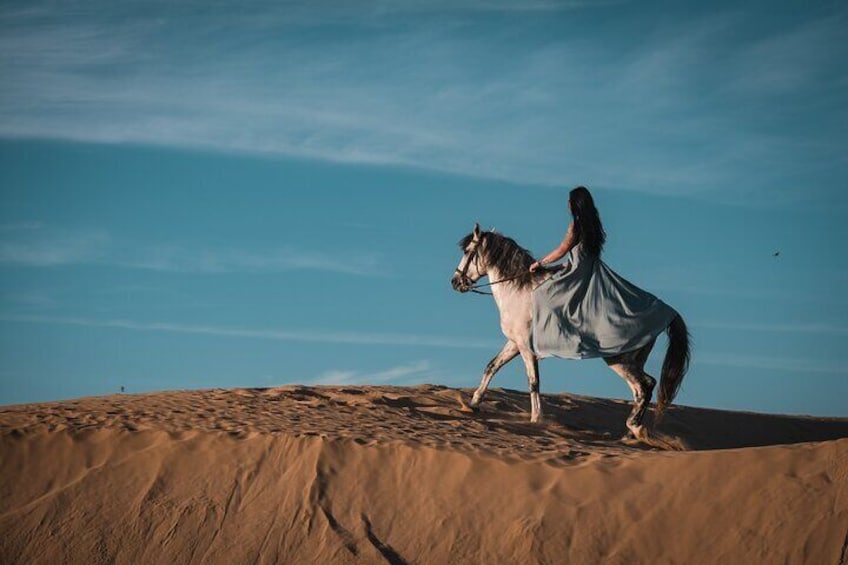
(474, 287)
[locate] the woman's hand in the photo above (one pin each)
(535, 266)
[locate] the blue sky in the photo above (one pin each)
(250, 194)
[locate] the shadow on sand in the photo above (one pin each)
(602, 420)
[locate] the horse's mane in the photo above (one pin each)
(504, 254)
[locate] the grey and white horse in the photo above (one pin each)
(508, 267)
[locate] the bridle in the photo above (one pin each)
(466, 280)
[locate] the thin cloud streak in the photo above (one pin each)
(814, 328)
(64, 248)
(772, 363)
(30, 299)
(179, 260)
(401, 374)
(360, 338)
(36, 246)
(18, 226)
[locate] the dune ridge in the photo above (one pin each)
(400, 475)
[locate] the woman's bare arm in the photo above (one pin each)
(568, 242)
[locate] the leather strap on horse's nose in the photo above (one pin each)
(463, 274)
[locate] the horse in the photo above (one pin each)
(507, 265)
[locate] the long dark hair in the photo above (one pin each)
(587, 222)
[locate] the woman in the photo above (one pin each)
(586, 309)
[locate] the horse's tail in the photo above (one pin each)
(675, 364)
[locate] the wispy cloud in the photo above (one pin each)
(184, 260)
(38, 246)
(29, 299)
(447, 7)
(361, 338)
(803, 328)
(651, 111)
(61, 247)
(18, 226)
(801, 58)
(401, 374)
(774, 363)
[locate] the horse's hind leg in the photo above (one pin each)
(630, 366)
(507, 354)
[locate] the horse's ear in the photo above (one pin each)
(476, 231)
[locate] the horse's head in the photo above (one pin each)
(472, 266)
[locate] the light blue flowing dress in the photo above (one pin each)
(588, 310)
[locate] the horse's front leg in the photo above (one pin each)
(507, 354)
(531, 364)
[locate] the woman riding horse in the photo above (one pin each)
(582, 310)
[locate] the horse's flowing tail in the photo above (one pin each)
(675, 364)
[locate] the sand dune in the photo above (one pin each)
(388, 474)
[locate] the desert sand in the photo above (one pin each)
(400, 475)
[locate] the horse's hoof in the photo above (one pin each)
(465, 407)
(640, 434)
